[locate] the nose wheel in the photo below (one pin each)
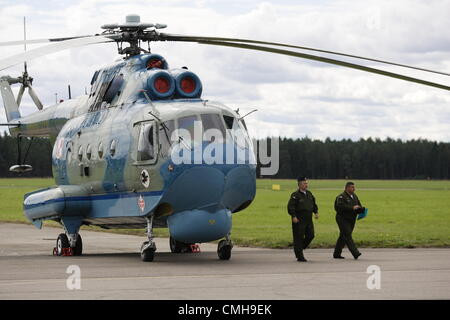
(148, 251)
(224, 249)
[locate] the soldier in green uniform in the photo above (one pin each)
(301, 206)
(347, 206)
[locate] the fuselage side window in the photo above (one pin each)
(146, 143)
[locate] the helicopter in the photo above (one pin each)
(134, 151)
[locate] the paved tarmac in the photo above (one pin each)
(111, 268)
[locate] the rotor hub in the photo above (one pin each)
(133, 31)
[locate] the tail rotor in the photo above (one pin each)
(25, 80)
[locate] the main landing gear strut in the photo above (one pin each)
(148, 248)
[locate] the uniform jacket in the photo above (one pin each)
(302, 206)
(344, 205)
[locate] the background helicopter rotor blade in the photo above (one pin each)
(51, 48)
(35, 98)
(49, 40)
(320, 59)
(171, 37)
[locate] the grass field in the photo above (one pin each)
(401, 213)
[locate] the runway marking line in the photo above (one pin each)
(21, 282)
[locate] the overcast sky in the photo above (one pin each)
(295, 97)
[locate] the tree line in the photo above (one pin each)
(364, 159)
(38, 153)
(316, 159)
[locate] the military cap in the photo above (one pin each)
(349, 184)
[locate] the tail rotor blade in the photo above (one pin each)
(35, 98)
(20, 95)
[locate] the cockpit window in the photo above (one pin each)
(187, 123)
(94, 77)
(113, 88)
(146, 149)
(165, 134)
(238, 131)
(211, 123)
(228, 121)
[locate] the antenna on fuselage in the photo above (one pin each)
(241, 118)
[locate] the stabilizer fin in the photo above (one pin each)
(9, 102)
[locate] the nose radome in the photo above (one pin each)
(197, 187)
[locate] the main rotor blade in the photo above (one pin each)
(325, 60)
(51, 48)
(25, 42)
(171, 37)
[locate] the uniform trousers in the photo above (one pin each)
(303, 234)
(346, 226)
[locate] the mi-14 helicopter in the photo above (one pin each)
(116, 151)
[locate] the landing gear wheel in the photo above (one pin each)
(224, 249)
(62, 243)
(181, 247)
(175, 246)
(78, 249)
(148, 251)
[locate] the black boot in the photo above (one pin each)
(356, 256)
